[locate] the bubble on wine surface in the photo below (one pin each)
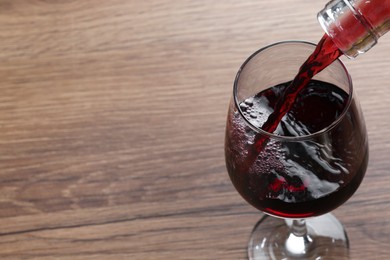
(249, 101)
(243, 107)
(253, 115)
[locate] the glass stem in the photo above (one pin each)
(298, 242)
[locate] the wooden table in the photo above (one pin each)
(112, 117)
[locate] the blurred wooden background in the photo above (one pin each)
(112, 117)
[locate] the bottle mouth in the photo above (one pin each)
(347, 27)
(259, 130)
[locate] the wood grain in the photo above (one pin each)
(112, 117)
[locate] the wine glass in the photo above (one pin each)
(313, 162)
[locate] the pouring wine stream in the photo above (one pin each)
(324, 55)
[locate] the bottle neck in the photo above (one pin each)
(355, 25)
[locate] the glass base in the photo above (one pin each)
(323, 238)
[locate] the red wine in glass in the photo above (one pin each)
(295, 147)
(300, 178)
(300, 107)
